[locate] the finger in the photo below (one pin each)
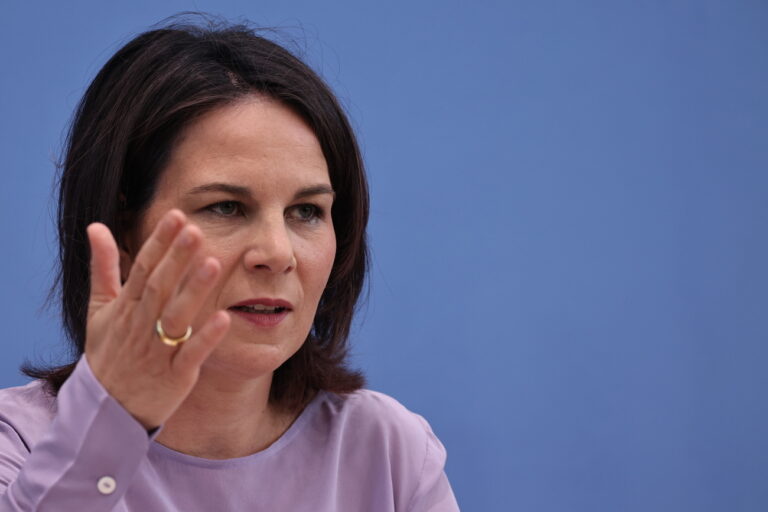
(167, 275)
(194, 352)
(152, 252)
(105, 264)
(181, 310)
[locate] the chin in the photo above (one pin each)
(247, 360)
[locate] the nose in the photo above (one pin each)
(270, 247)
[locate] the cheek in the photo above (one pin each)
(328, 257)
(229, 257)
(225, 249)
(318, 262)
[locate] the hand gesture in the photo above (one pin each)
(147, 377)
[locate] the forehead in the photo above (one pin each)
(257, 140)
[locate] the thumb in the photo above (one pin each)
(105, 265)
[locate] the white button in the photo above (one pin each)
(106, 485)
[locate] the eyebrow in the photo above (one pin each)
(245, 192)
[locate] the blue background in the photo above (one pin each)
(570, 202)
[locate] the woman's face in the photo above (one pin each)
(253, 178)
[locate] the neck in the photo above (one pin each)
(223, 420)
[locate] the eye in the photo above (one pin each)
(226, 208)
(306, 212)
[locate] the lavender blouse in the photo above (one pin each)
(83, 452)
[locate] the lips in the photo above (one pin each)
(263, 312)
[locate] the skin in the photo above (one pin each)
(197, 251)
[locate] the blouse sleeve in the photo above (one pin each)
(433, 492)
(86, 460)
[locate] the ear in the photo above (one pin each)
(126, 262)
(124, 244)
(125, 248)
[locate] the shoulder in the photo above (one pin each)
(28, 410)
(374, 438)
(375, 413)
(375, 423)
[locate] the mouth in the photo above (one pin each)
(262, 312)
(258, 308)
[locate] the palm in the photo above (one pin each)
(148, 378)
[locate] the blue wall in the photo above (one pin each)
(570, 202)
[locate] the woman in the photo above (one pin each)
(212, 221)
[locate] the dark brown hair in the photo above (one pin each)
(120, 140)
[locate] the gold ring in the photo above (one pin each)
(171, 342)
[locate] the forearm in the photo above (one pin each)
(85, 462)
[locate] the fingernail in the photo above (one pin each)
(185, 239)
(205, 272)
(171, 221)
(221, 321)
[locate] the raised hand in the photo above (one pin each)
(147, 377)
